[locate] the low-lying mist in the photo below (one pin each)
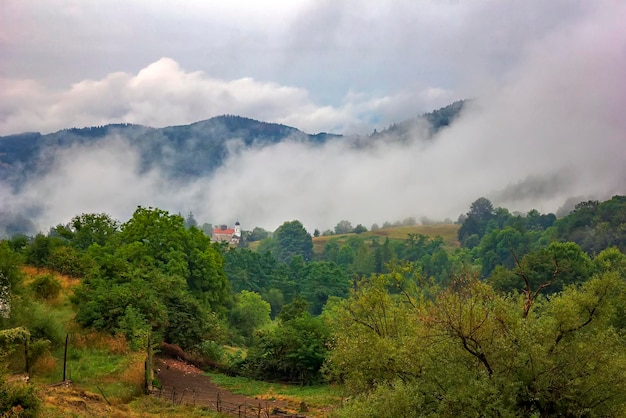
(553, 131)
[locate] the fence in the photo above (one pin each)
(214, 401)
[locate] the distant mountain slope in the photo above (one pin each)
(428, 124)
(186, 150)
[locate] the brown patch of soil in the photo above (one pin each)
(186, 383)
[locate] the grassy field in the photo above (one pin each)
(446, 231)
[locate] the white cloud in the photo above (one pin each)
(163, 94)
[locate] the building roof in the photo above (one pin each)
(219, 231)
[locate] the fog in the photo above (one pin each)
(549, 130)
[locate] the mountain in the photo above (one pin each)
(180, 151)
(427, 124)
(185, 151)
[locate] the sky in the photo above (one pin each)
(545, 124)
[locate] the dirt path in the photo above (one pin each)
(183, 382)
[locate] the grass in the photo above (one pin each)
(315, 396)
(447, 231)
(96, 362)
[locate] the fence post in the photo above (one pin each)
(67, 337)
(148, 372)
(26, 356)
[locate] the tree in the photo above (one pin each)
(258, 234)
(156, 274)
(191, 221)
(343, 227)
(497, 248)
(480, 213)
(89, 228)
(291, 239)
(549, 270)
(249, 314)
(323, 280)
(595, 226)
(359, 229)
(292, 351)
(470, 351)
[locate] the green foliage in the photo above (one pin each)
(38, 251)
(154, 275)
(188, 321)
(10, 275)
(595, 226)
(211, 350)
(359, 229)
(292, 351)
(610, 259)
(257, 234)
(476, 221)
(18, 400)
(249, 314)
(290, 240)
(499, 247)
(67, 260)
(559, 264)
(46, 286)
(10, 337)
(343, 227)
(88, 229)
(248, 270)
(321, 281)
(469, 351)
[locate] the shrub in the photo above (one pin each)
(211, 350)
(18, 400)
(46, 286)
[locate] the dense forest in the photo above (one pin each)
(517, 315)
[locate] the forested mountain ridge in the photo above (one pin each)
(428, 124)
(181, 153)
(184, 150)
(190, 150)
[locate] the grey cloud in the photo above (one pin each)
(546, 124)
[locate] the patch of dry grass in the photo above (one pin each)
(67, 282)
(115, 344)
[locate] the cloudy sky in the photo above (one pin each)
(547, 77)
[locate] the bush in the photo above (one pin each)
(46, 286)
(211, 350)
(18, 400)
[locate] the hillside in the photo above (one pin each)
(185, 151)
(399, 233)
(428, 124)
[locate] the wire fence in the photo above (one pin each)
(214, 401)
